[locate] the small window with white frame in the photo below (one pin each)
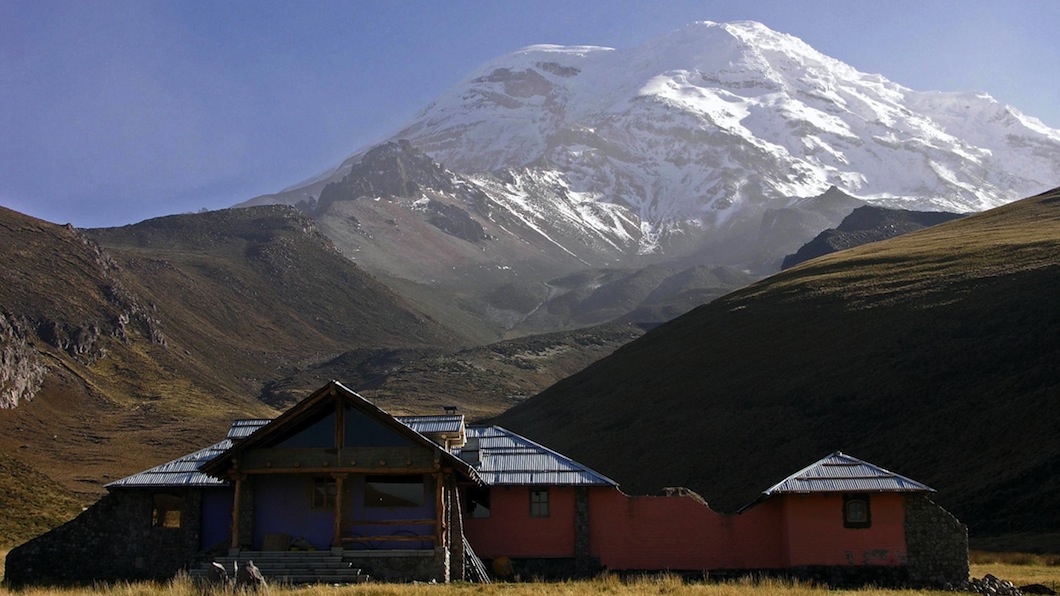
(856, 512)
(539, 501)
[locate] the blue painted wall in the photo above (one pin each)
(216, 516)
(282, 506)
(363, 513)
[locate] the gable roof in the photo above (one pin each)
(307, 408)
(840, 472)
(506, 458)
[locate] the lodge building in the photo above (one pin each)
(336, 489)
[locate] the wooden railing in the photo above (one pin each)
(407, 536)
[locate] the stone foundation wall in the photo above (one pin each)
(424, 568)
(246, 514)
(542, 568)
(111, 540)
(936, 542)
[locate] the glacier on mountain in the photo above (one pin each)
(717, 143)
(716, 119)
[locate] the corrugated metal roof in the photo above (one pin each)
(448, 423)
(508, 458)
(505, 458)
(183, 471)
(242, 429)
(842, 473)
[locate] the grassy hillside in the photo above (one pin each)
(261, 289)
(934, 354)
(125, 347)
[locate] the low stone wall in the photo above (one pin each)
(543, 568)
(422, 566)
(936, 542)
(111, 540)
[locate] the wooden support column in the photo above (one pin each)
(337, 536)
(340, 423)
(235, 509)
(439, 529)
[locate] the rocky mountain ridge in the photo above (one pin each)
(514, 251)
(867, 224)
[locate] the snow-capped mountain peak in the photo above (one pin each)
(705, 142)
(714, 118)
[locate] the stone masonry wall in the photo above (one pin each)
(424, 566)
(936, 542)
(111, 540)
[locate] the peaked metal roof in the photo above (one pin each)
(447, 423)
(310, 406)
(185, 471)
(840, 472)
(506, 458)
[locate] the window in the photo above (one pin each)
(394, 491)
(165, 510)
(856, 513)
(539, 502)
(323, 493)
(478, 502)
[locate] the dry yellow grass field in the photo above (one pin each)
(1039, 572)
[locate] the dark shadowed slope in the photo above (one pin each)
(934, 354)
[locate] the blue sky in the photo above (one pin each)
(115, 111)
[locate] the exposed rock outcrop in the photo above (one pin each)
(21, 371)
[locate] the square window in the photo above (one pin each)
(324, 491)
(539, 502)
(165, 510)
(856, 512)
(478, 502)
(394, 491)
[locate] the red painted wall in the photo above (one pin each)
(511, 532)
(815, 534)
(682, 534)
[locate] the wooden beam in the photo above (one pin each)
(340, 424)
(420, 538)
(439, 530)
(337, 536)
(235, 510)
(344, 458)
(395, 522)
(330, 470)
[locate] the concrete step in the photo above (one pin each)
(314, 579)
(293, 567)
